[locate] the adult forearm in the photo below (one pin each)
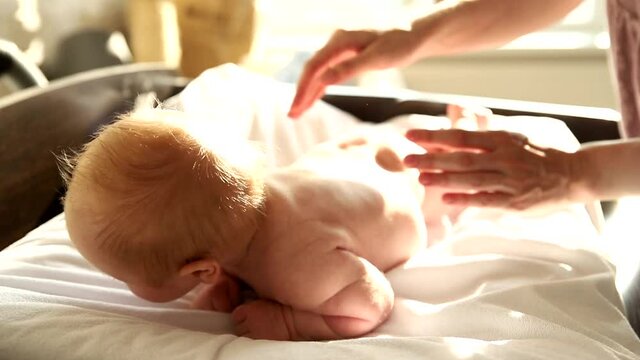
(457, 26)
(607, 170)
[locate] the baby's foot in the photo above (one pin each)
(388, 159)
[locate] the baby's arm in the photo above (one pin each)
(358, 296)
(336, 295)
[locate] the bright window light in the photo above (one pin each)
(289, 30)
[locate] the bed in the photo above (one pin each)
(501, 285)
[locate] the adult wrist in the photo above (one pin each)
(582, 182)
(422, 30)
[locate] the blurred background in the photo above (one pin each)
(565, 64)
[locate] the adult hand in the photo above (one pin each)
(491, 168)
(347, 54)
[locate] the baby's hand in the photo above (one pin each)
(261, 319)
(223, 296)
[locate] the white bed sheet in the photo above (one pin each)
(530, 285)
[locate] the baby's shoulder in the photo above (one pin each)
(303, 187)
(307, 237)
(331, 201)
(298, 250)
(302, 247)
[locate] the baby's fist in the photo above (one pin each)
(261, 319)
(223, 296)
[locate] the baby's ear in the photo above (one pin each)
(206, 269)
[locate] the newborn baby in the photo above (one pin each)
(161, 205)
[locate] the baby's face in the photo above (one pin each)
(172, 288)
(83, 233)
(148, 182)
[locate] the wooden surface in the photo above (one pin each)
(586, 123)
(38, 124)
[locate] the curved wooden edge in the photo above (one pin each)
(586, 123)
(37, 124)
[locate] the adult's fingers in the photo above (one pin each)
(347, 67)
(314, 92)
(479, 199)
(482, 181)
(482, 121)
(311, 83)
(453, 161)
(456, 139)
(366, 60)
(383, 50)
(341, 46)
(454, 113)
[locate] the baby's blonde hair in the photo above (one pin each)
(161, 194)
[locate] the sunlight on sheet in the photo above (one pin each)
(421, 308)
(516, 314)
(566, 266)
(620, 236)
(466, 348)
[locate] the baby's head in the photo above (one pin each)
(160, 204)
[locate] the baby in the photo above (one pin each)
(160, 204)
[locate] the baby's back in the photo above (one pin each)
(341, 190)
(335, 221)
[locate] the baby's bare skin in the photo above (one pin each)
(335, 221)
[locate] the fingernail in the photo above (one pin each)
(293, 114)
(411, 160)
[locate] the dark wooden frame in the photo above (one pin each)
(36, 124)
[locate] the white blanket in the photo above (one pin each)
(503, 285)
